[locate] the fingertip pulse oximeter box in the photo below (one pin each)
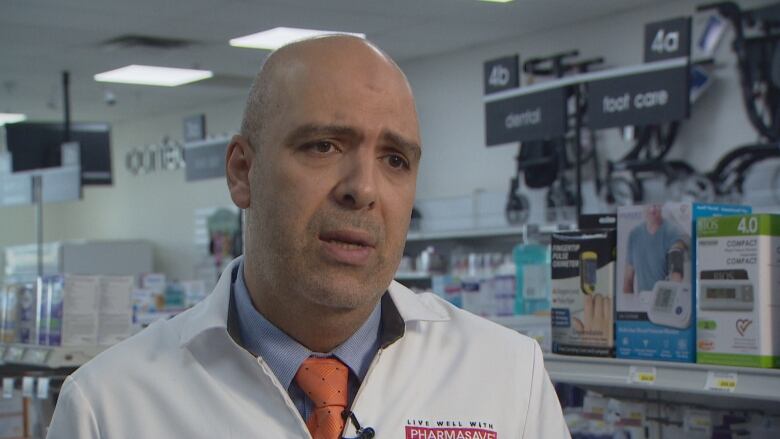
(583, 286)
(739, 291)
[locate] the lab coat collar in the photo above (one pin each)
(212, 313)
(413, 307)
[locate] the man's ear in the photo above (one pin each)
(238, 162)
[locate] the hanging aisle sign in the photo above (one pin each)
(645, 98)
(668, 39)
(502, 74)
(655, 92)
(538, 115)
(205, 159)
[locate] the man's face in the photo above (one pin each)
(653, 214)
(333, 183)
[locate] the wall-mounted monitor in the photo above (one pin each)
(37, 145)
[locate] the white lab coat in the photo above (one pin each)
(451, 375)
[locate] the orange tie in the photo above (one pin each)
(324, 380)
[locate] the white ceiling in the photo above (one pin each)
(41, 38)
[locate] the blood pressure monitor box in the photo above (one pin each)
(739, 291)
(583, 286)
(656, 263)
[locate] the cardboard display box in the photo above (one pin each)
(655, 302)
(739, 291)
(583, 282)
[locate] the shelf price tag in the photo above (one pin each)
(642, 375)
(8, 387)
(28, 387)
(35, 356)
(721, 382)
(42, 391)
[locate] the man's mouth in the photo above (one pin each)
(350, 247)
(347, 245)
(349, 239)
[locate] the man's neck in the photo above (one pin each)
(318, 328)
(653, 227)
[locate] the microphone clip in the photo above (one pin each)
(362, 433)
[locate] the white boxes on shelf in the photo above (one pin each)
(738, 312)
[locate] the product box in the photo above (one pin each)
(28, 316)
(194, 292)
(655, 278)
(9, 310)
(153, 281)
(739, 291)
(448, 287)
(488, 287)
(614, 418)
(50, 310)
(156, 283)
(532, 262)
(583, 286)
(116, 309)
(80, 307)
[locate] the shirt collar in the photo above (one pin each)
(283, 354)
(400, 306)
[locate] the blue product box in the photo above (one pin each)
(533, 278)
(449, 288)
(656, 282)
(28, 306)
(50, 319)
(55, 298)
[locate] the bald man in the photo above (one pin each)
(307, 335)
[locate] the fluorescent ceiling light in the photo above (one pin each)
(279, 36)
(151, 75)
(498, 1)
(11, 118)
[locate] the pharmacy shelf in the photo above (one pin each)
(521, 323)
(411, 275)
(484, 233)
(47, 357)
(698, 379)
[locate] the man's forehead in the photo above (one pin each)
(334, 51)
(326, 46)
(336, 80)
(332, 58)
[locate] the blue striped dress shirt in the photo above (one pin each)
(284, 355)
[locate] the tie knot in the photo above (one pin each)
(324, 380)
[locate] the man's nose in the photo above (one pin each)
(357, 184)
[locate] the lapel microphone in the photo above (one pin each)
(362, 433)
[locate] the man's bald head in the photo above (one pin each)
(328, 187)
(297, 60)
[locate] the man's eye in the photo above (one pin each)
(396, 161)
(319, 147)
(322, 147)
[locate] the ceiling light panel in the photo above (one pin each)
(11, 118)
(279, 36)
(153, 75)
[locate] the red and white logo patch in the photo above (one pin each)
(415, 432)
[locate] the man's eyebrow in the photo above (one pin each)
(409, 146)
(313, 130)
